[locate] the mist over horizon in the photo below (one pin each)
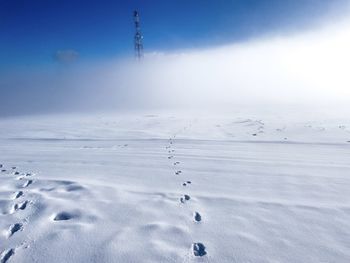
(304, 69)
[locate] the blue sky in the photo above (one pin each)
(32, 31)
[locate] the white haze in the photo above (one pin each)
(309, 69)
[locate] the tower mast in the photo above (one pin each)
(138, 36)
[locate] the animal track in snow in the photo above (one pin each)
(73, 187)
(20, 206)
(14, 228)
(198, 249)
(63, 216)
(186, 183)
(197, 217)
(17, 195)
(170, 157)
(6, 255)
(178, 172)
(185, 198)
(27, 183)
(176, 163)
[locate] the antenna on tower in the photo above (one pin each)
(138, 36)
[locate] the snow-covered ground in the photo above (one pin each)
(166, 188)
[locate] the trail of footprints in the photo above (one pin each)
(198, 249)
(18, 205)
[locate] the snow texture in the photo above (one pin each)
(165, 188)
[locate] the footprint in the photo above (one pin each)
(20, 206)
(6, 255)
(16, 173)
(27, 183)
(197, 217)
(185, 198)
(63, 216)
(17, 195)
(170, 157)
(14, 228)
(29, 174)
(176, 163)
(72, 188)
(198, 249)
(178, 172)
(3, 170)
(186, 183)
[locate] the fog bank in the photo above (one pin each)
(305, 69)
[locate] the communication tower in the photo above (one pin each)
(138, 36)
